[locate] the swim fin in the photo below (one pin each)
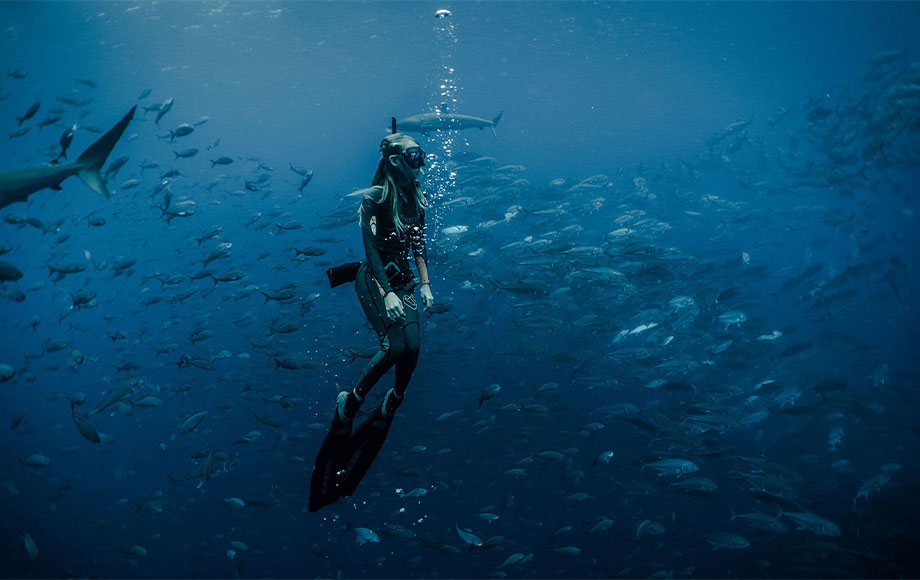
(366, 443)
(331, 458)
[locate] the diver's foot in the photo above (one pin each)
(340, 419)
(347, 405)
(391, 402)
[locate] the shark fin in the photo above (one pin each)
(93, 179)
(95, 155)
(495, 123)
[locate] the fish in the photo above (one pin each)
(601, 524)
(50, 120)
(649, 527)
(870, 485)
(761, 521)
(298, 170)
(186, 153)
(307, 177)
(30, 112)
(181, 131)
(18, 184)
(515, 558)
(115, 165)
(455, 230)
(118, 393)
(727, 540)
(441, 121)
(9, 272)
(35, 460)
(29, 546)
(162, 109)
(813, 523)
(66, 140)
(467, 536)
(214, 462)
(673, 466)
(365, 535)
(192, 421)
(209, 233)
(488, 392)
(221, 161)
(603, 457)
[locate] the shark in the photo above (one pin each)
(440, 120)
(18, 184)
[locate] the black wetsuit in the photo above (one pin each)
(387, 268)
(345, 456)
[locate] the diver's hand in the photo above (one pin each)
(394, 306)
(427, 298)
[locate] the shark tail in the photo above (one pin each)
(95, 155)
(495, 122)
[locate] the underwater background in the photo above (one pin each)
(675, 330)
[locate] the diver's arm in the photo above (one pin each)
(420, 250)
(425, 290)
(421, 259)
(369, 235)
(422, 266)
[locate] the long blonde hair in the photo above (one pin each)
(383, 188)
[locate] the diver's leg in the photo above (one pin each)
(372, 303)
(337, 447)
(369, 437)
(406, 362)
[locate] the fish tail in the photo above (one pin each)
(94, 157)
(780, 510)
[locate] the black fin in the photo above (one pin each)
(366, 443)
(332, 455)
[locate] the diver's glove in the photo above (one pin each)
(393, 305)
(427, 298)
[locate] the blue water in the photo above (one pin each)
(646, 138)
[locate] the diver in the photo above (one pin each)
(392, 220)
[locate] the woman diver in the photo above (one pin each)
(392, 219)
